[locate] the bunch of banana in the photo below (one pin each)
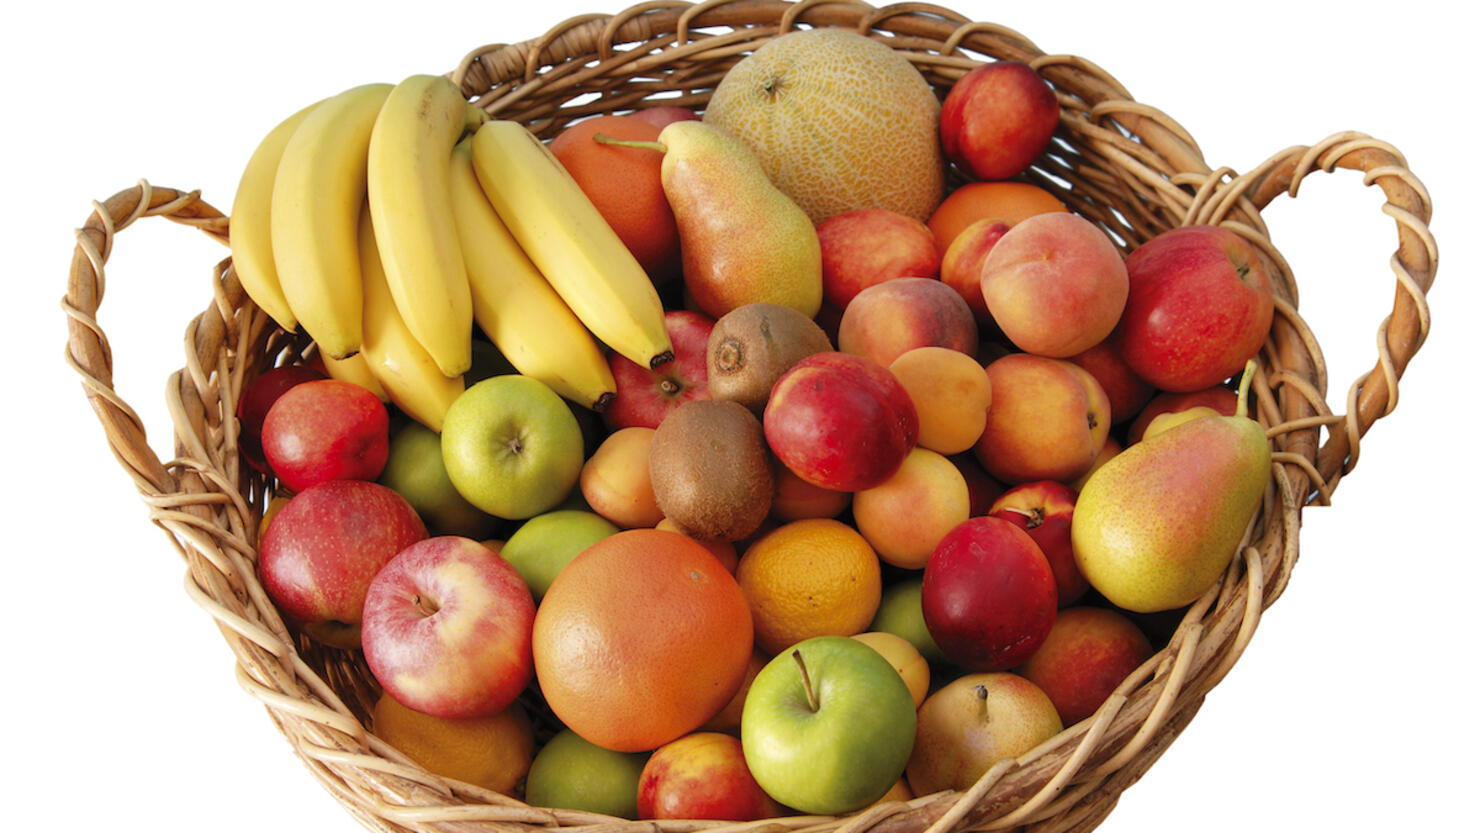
(385, 220)
(516, 307)
(571, 244)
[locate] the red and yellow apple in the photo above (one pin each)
(1045, 510)
(257, 398)
(447, 628)
(645, 395)
(324, 547)
(1127, 392)
(326, 429)
(1200, 306)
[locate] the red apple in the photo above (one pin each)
(988, 595)
(702, 776)
(1045, 509)
(840, 421)
(257, 398)
(447, 631)
(1221, 399)
(644, 396)
(326, 429)
(1200, 306)
(997, 119)
(1088, 653)
(323, 548)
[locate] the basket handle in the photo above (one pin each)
(1374, 394)
(88, 352)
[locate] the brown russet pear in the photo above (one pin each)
(742, 239)
(1156, 526)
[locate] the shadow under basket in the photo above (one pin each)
(1116, 161)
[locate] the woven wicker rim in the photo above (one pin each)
(1119, 162)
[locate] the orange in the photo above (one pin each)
(625, 184)
(812, 577)
(1011, 202)
(492, 752)
(642, 638)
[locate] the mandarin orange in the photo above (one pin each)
(1011, 202)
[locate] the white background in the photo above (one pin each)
(1351, 710)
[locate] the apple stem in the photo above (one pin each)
(1034, 516)
(806, 680)
(1242, 408)
(981, 696)
(629, 143)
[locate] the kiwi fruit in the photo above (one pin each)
(710, 469)
(752, 345)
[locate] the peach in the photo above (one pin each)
(840, 421)
(951, 392)
(1055, 284)
(1128, 392)
(868, 246)
(1088, 653)
(900, 314)
(997, 118)
(615, 480)
(905, 516)
(1048, 421)
(912, 666)
(961, 265)
(1219, 398)
(797, 499)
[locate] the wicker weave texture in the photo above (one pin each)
(1125, 165)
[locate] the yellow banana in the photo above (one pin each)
(316, 200)
(410, 378)
(570, 242)
(411, 207)
(516, 307)
(251, 226)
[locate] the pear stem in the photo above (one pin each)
(1242, 408)
(806, 680)
(981, 696)
(629, 143)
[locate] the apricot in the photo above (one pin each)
(951, 392)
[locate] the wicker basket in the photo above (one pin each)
(1117, 161)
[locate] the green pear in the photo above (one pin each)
(742, 239)
(1157, 525)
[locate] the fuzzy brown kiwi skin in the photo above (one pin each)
(711, 471)
(751, 346)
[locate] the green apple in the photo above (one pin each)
(544, 544)
(828, 726)
(416, 471)
(900, 614)
(512, 447)
(572, 773)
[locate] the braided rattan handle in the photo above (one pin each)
(88, 352)
(1374, 394)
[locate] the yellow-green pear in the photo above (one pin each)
(1156, 526)
(742, 239)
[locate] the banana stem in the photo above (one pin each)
(630, 143)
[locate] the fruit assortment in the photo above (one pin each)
(785, 482)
